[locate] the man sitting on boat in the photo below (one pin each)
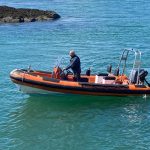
(75, 65)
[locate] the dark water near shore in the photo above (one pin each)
(97, 30)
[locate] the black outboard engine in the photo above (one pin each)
(142, 75)
(134, 75)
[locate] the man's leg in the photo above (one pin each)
(77, 77)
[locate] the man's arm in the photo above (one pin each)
(72, 63)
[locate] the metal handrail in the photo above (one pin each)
(136, 63)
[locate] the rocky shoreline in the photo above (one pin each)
(13, 15)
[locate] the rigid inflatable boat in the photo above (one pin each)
(111, 83)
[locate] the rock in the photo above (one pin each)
(21, 19)
(33, 20)
(13, 15)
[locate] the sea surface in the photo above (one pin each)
(97, 30)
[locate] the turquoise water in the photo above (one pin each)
(97, 30)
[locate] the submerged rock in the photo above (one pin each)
(13, 15)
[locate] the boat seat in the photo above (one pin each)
(84, 79)
(102, 74)
(99, 77)
(108, 80)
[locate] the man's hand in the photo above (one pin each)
(63, 69)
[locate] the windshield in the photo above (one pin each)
(61, 62)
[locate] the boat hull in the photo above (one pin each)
(32, 83)
(38, 89)
(32, 90)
